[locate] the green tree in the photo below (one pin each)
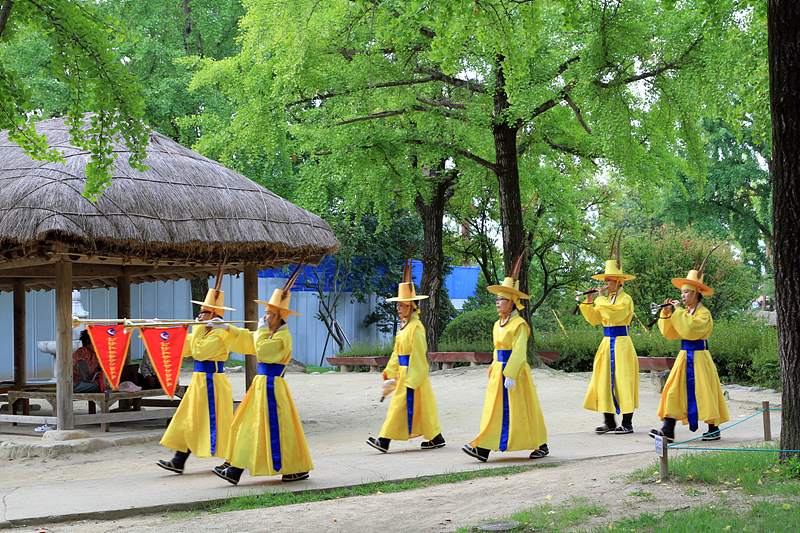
(669, 252)
(733, 201)
(78, 46)
(403, 101)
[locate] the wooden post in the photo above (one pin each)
(124, 302)
(20, 363)
(664, 469)
(64, 343)
(250, 313)
(767, 428)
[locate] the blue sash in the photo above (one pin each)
(503, 356)
(404, 360)
(209, 368)
(613, 332)
(273, 371)
(691, 407)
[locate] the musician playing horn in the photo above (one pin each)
(512, 417)
(693, 391)
(266, 436)
(203, 419)
(614, 387)
(412, 411)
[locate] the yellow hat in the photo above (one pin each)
(407, 293)
(405, 290)
(614, 266)
(279, 304)
(213, 302)
(613, 271)
(510, 286)
(694, 279)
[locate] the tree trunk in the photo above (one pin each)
(783, 27)
(432, 215)
(505, 144)
(199, 291)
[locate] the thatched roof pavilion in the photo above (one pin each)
(179, 219)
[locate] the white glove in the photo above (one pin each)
(217, 324)
(262, 322)
(509, 384)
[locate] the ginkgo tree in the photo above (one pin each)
(81, 45)
(407, 101)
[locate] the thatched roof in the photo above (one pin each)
(182, 216)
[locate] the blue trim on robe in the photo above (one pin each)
(209, 368)
(691, 399)
(613, 332)
(273, 371)
(503, 356)
(404, 360)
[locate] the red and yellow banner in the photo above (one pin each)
(111, 346)
(165, 347)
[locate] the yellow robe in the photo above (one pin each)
(193, 427)
(711, 407)
(252, 432)
(525, 429)
(424, 419)
(626, 363)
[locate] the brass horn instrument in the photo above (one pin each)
(655, 308)
(578, 295)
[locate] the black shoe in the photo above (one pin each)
(622, 430)
(436, 442)
(712, 434)
(379, 444)
(480, 454)
(175, 464)
(605, 428)
(661, 433)
(230, 474)
(295, 477)
(541, 452)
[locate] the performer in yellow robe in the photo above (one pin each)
(266, 436)
(202, 422)
(512, 417)
(412, 411)
(614, 387)
(693, 391)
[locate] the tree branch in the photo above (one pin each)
(435, 74)
(577, 113)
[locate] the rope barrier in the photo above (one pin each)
(767, 436)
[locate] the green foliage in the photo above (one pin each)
(471, 328)
(368, 349)
(744, 349)
(668, 252)
(75, 46)
(734, 200)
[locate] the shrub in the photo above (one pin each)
(471, 327)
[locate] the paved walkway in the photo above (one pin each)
(100, 495)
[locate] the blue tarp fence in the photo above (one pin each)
(461, 283)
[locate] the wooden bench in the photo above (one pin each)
(448, 359)
(656, 364)
(130, 407)
(344, 363)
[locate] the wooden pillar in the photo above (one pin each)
(124, 302)
(20, 348)
(250, 313)
(64, 343)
